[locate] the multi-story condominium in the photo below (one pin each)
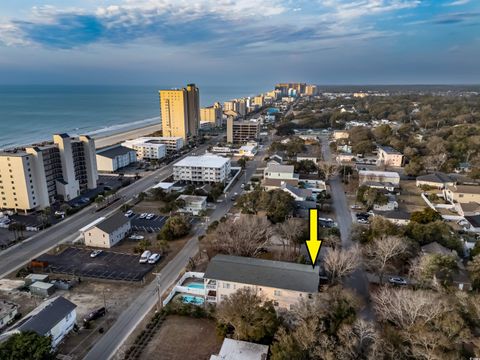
(285, 87)
(311, 90)
(212, 114)
(388, 156)
(259, 100)
(115, 158)
(283, 283)
(242, 107)
(242, 131)
(180, 111)
(202, 169)
(230, 105)
(36, 176)
(172, 144)
(106, 232)
(147, 148)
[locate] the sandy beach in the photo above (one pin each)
(104, 141)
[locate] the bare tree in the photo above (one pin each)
(383, 251)
(290, 233)
(246, 236)
(328, 169)
(406, 308)
(340, 263)
(359, 341)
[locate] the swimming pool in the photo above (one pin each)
(195, 300)
(196, 285)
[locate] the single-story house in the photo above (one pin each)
(438, 249)
(397, 217)
(473, 223)
(297, 193)
(436, 180)
(380, 185)
(391, 177)
(115, 158)
(468, 209)
(193, 204)
(106, 232)
(241, 350)
(462, 193)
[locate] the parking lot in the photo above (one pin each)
(108, 265)
(152, 225)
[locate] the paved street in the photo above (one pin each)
(358, 280)
(113, 339)
(16, 256)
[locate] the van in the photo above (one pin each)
(145, 256)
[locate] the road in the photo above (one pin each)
(112, 340)
(358, 280)
(16, 256)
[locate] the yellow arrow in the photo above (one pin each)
(313, 244)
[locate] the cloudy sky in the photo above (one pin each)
(246, 42)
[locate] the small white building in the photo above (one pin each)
(8, 311)
(147, 150)
(365, 176)
(247, 150)
(202, 169)
(55, 317)
(193, 204)
(172, 144)
(115, 158)
(241, 350)
(106, 232)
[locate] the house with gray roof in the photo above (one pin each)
(107, 232)
(281, 282)
(55, 317)
(437, 180)
(115, 157)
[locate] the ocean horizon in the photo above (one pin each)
(32, 113)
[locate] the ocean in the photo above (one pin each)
(31, 114)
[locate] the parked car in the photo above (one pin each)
(153, 258)
(59, 213)
(94, 315)
(129, 213)
(143, 216)
(95, 253)
(150, 216)
(84, 200)
(136, 237)
(144, 257)
(397, 281)
(355, 207)
(362, 221)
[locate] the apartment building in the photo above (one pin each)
(259, 100)
(115, 158)
(286, 87)
(147, 149)
(180, 112)
(212, 114)
(202, 169)
(388, 156)
(242, 131)
(34, 177)
(172, 144)
(283, 283)
(106, 232)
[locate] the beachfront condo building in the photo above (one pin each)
(180, 112)
(285, 88)
(283, 283)
(202, 169)
(172, 144)
(242, 131)
(212, 114)
(147, 149)
(34, 177)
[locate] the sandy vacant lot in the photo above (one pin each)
(184, 338)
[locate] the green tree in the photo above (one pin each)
(26, 345)
(242, 162)
(247, 317)
(425, 216)
(175, 227)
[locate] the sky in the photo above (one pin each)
(244, 42)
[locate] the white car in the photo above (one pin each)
(143, 216)
(129, 213)
(95, 253)
(150, 216)
(153, 258)
(397, 281)
(136, 237)
(144, 257)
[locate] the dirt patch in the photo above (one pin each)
(410, 199)
(184, 338)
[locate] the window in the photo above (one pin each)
(226, 285)
(277, 293)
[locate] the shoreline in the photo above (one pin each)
(102, 141)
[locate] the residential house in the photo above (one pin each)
(115, 158)
(392, 178)
(8, 311)
(395, 217)
(436, 180)
(281, 282)
(275, 174)
(241, 350)
(55, 317)
(391, 204)
(340, 134)
(473, 223)
(468, 209)
(462, 193)
(193, 204)
(297, 193)
(107, 232)
(388, 156)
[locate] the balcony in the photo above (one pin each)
(211, 299)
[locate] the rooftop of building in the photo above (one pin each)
(473, 220)
(465, 189)
(274, 274)
(436, 248)
(211, 161)
(378, 173)
(390, 150)
(112, 223)
(113, 152)
(48, 314)
(192, 198)
(280, 168)
(241, 350)
(437, 177)
(6, 307)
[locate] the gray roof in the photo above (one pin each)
(396, 214)
(46, 316)
(113, 152)
(437, 177)
(390, 150)
(112, 223)
(275, 274)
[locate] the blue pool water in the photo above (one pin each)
(195, 300)
(196, 285)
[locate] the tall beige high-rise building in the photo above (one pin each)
(180, 110)
(212, 114)
(35, 177)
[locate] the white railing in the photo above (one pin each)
(211, 298)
